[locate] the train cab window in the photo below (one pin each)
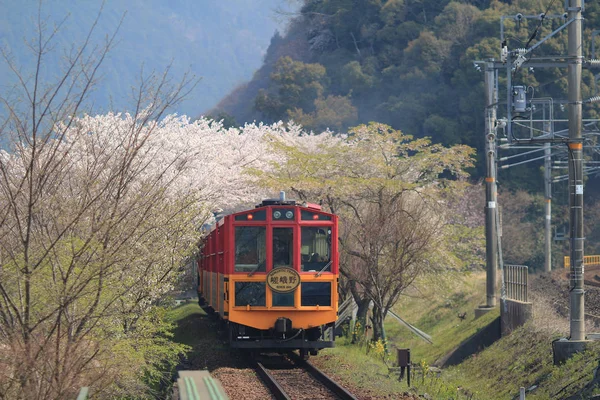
(316, 249)
(250, 249)
(250, 293)
(283, 299)
(283, 247)
(316, 293)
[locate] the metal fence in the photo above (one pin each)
(346, 311)
(515, 280)
(587, 261)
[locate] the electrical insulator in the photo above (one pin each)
(504, 51)
(594, 99)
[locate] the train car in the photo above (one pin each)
(271, 274)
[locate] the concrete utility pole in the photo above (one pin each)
(513, 60)
(548, 205)
(491, 248)
(577, 319)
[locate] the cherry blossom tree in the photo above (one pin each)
(390, 194)
(84, 203)
(97, 223)
(98, 213)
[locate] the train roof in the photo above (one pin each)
(267, 203)
(313, 207)
(279, 202)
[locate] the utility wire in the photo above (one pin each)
(537, 28)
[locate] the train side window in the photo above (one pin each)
(250, 294)
(316, 293)
(250, 249)
(283, 247)
(315, 249)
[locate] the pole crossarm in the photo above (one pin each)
(538, 44)
(550, 62)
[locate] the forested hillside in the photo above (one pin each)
(222, 42)
(406, 63)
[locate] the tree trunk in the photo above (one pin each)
(378, 329)
(361, 319)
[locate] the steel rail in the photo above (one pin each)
(271, 382)
(319, 375)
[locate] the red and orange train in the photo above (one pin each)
(271, 274)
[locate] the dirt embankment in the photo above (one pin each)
(550, 292)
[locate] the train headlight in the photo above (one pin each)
(277, 214)
(289, 215)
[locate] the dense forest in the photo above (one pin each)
(406, 63)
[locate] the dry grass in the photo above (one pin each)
(546, 318)
(550, 298)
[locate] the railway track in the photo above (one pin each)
(291, 378)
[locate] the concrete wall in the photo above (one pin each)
(515, 314)
(479, 341)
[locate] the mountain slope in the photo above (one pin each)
(406, 63)
(222, 42)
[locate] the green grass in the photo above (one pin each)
(521, 359)
(208, 348)
(524, 359)
(353, 368)
(183, 311)
(437, 315)
(187, 319)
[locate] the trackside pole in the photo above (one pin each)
(575, 144)
(491, 240)
(547, 205)
(565, 348)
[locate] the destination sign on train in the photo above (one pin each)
(283, 280)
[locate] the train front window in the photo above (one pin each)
(316, 249)
(250, 293)
(250, 249)
(316, 294)
(283, 247)
(283, 299)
